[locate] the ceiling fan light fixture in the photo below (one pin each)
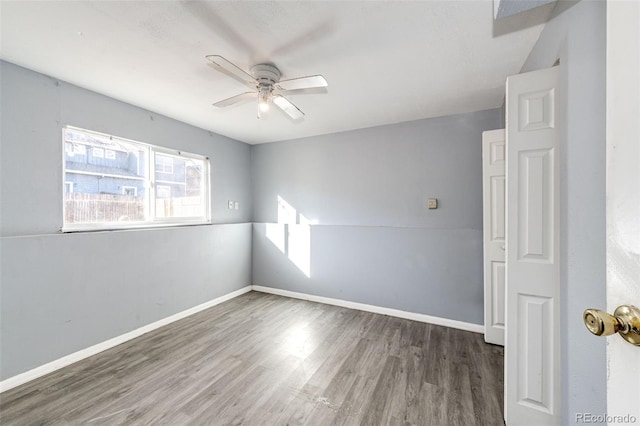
(263, 99)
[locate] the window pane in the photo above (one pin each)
(180, 192)
(103, 188)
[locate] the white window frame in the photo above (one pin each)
(149, 184)
(95, 151)
(135, 190)
(67, 182)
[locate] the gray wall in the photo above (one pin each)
(62, 293)
(373, 239)
(577, 36)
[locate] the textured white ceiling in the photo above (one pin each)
(385, 62)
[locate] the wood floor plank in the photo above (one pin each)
(353, 409)
(262, 359)
(432, 410)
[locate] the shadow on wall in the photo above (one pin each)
(292, 236)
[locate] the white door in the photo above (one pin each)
(494, 158)
(623, 200)
(532, 347)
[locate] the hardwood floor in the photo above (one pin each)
(261, 359)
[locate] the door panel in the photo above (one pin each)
(497, 295)
(534, 334)
(498, 207)
(535, 193)
(494, 199)
(532, 355)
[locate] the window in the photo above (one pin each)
(72, 149)
(164, 164)
(163, 191)
(142, 184)
(131, 191)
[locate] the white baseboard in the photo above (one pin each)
(52, 366)
(460, 325)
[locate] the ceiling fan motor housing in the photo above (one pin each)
(266, 74)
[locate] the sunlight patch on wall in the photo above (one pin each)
(277, 233)
(292, 236)
(286, 212)
(300, 245)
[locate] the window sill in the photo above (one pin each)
(121, 227)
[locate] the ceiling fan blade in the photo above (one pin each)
(235, 71)
(290, 109)
(302, 83)
(235, 99)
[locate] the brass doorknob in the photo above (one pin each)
(625, 321)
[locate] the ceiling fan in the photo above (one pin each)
(268, 88)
